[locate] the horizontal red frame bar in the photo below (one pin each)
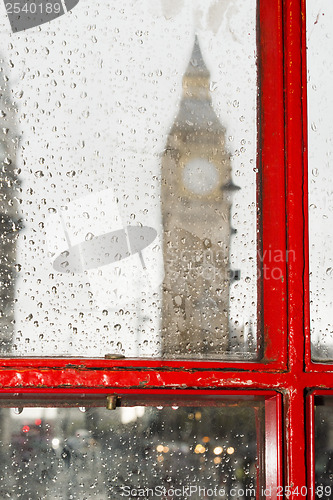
(132, 363)
(119, 378)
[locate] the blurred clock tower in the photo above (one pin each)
(196, 200)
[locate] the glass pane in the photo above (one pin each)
(320, 131)
(324, 447)
(131, 452)
(128, 220)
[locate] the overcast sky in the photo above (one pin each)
(97, 91)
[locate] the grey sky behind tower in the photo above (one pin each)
(97, 91)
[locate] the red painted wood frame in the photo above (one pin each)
(286, 366)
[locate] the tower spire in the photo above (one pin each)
(196, 77)
(197, 64)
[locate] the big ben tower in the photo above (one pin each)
(195, 194)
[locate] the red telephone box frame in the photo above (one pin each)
(286, 367)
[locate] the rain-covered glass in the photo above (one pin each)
(128, 179)
(324, 447)
(131, 452)
(320, 132)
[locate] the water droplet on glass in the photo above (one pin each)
(178, 300)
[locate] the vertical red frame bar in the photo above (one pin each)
(269, 449)
(273, 446)
(294, 149)
(271, 142)
(295, 415)
(310, 445)
(308, 361)
(295, 442)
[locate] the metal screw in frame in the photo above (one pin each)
(111, 402)
(112, 355)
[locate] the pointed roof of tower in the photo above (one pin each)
(196, 104)
(197, 65)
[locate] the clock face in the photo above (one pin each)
(200, 176)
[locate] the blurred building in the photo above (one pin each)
(9, 221)
(196, 201)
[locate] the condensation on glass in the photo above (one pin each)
(320, 133)
(324, 447)
(128, 182)
(137, 451)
